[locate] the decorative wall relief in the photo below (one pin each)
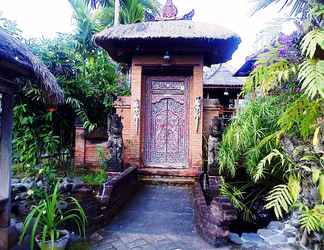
(137, 114)
(197, 112)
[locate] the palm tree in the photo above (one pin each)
(132, 11)
(298, 7)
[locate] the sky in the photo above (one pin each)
(37, 18)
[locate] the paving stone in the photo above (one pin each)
(267, 233)
(277, 240)
(252, 238)
(235, 238)
(136, 243)
(276, 225)
(119, 246)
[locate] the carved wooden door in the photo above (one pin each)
(166, 123)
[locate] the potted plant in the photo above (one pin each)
(47, 220)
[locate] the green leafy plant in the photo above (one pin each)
(47, 219)
(95, 178)
(102, 157)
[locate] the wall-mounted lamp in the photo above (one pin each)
(166, 57)
(226, 92)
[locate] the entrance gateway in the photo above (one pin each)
(163, 117)
(166, 126)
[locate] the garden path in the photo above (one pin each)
(158, 217)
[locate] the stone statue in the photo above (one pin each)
(319, 137)
(115, 143)
(216, 129)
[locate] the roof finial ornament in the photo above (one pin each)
(169, 11)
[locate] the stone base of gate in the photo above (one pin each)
(168, 176)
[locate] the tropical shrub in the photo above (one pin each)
(280, 156)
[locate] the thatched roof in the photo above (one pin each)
(248, 66)
(220, 76)
(220, 42)
(18, 60)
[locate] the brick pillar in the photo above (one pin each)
(79, 148)
(137, 92)
(196, 138)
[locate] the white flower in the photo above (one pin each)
(30, 192)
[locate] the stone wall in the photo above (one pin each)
(212, 220)
(118, 191)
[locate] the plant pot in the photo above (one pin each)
(59, 244)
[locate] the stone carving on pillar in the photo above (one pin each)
(197, 112)
(115, 143)
(137, 115)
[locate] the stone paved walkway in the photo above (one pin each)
(159, 217)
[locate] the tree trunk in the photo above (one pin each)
(117, 10)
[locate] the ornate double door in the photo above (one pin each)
(166, 126)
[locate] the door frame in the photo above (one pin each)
(148, 103)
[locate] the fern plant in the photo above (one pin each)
(312, 220)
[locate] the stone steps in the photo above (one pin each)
(168, 180)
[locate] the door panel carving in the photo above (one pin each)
(166, 124)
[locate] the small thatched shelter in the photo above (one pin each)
(16, 61)
(179, 36)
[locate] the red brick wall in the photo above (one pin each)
(85, 154)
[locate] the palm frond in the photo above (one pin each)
(311, 75)
(236, 197)
(312, 220)
(132, 11)
(297, 6)
(279, 199)
(312, 41)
